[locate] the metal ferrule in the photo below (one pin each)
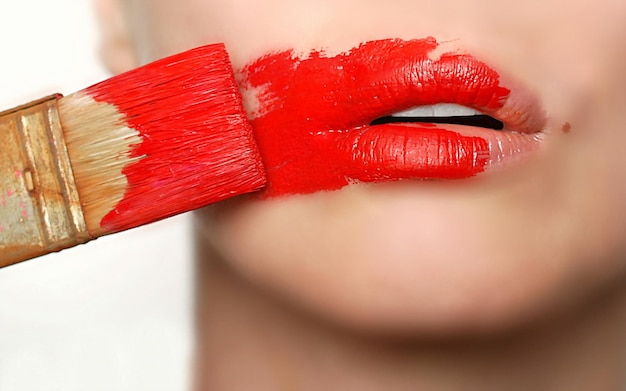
(39, 207)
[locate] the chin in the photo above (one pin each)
(419, 258)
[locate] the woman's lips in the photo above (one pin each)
(313, 115)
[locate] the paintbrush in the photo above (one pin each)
(144, 145)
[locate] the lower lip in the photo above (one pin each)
(311, 144)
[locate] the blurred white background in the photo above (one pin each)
(114, 314)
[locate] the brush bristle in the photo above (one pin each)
(163, 139)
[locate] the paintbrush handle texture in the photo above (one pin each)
(40, 210)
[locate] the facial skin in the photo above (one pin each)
(430, 257)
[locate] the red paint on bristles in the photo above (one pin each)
(193, 144)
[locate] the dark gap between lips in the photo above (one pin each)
(481, 121)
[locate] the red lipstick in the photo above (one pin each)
(314, 114)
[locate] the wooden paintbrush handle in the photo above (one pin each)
(39, 207)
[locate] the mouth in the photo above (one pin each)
(384, 111)
(442, 113)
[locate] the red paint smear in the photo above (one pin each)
(197, 144)
(312, 124)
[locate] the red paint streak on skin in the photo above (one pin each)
(312, 123)
(197, 145)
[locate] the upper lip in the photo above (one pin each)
(372, 81)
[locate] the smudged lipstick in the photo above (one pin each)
(324, 121)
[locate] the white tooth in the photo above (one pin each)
(453, 110)
(437, 110)
(419, 111)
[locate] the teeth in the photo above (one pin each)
(438, 110)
